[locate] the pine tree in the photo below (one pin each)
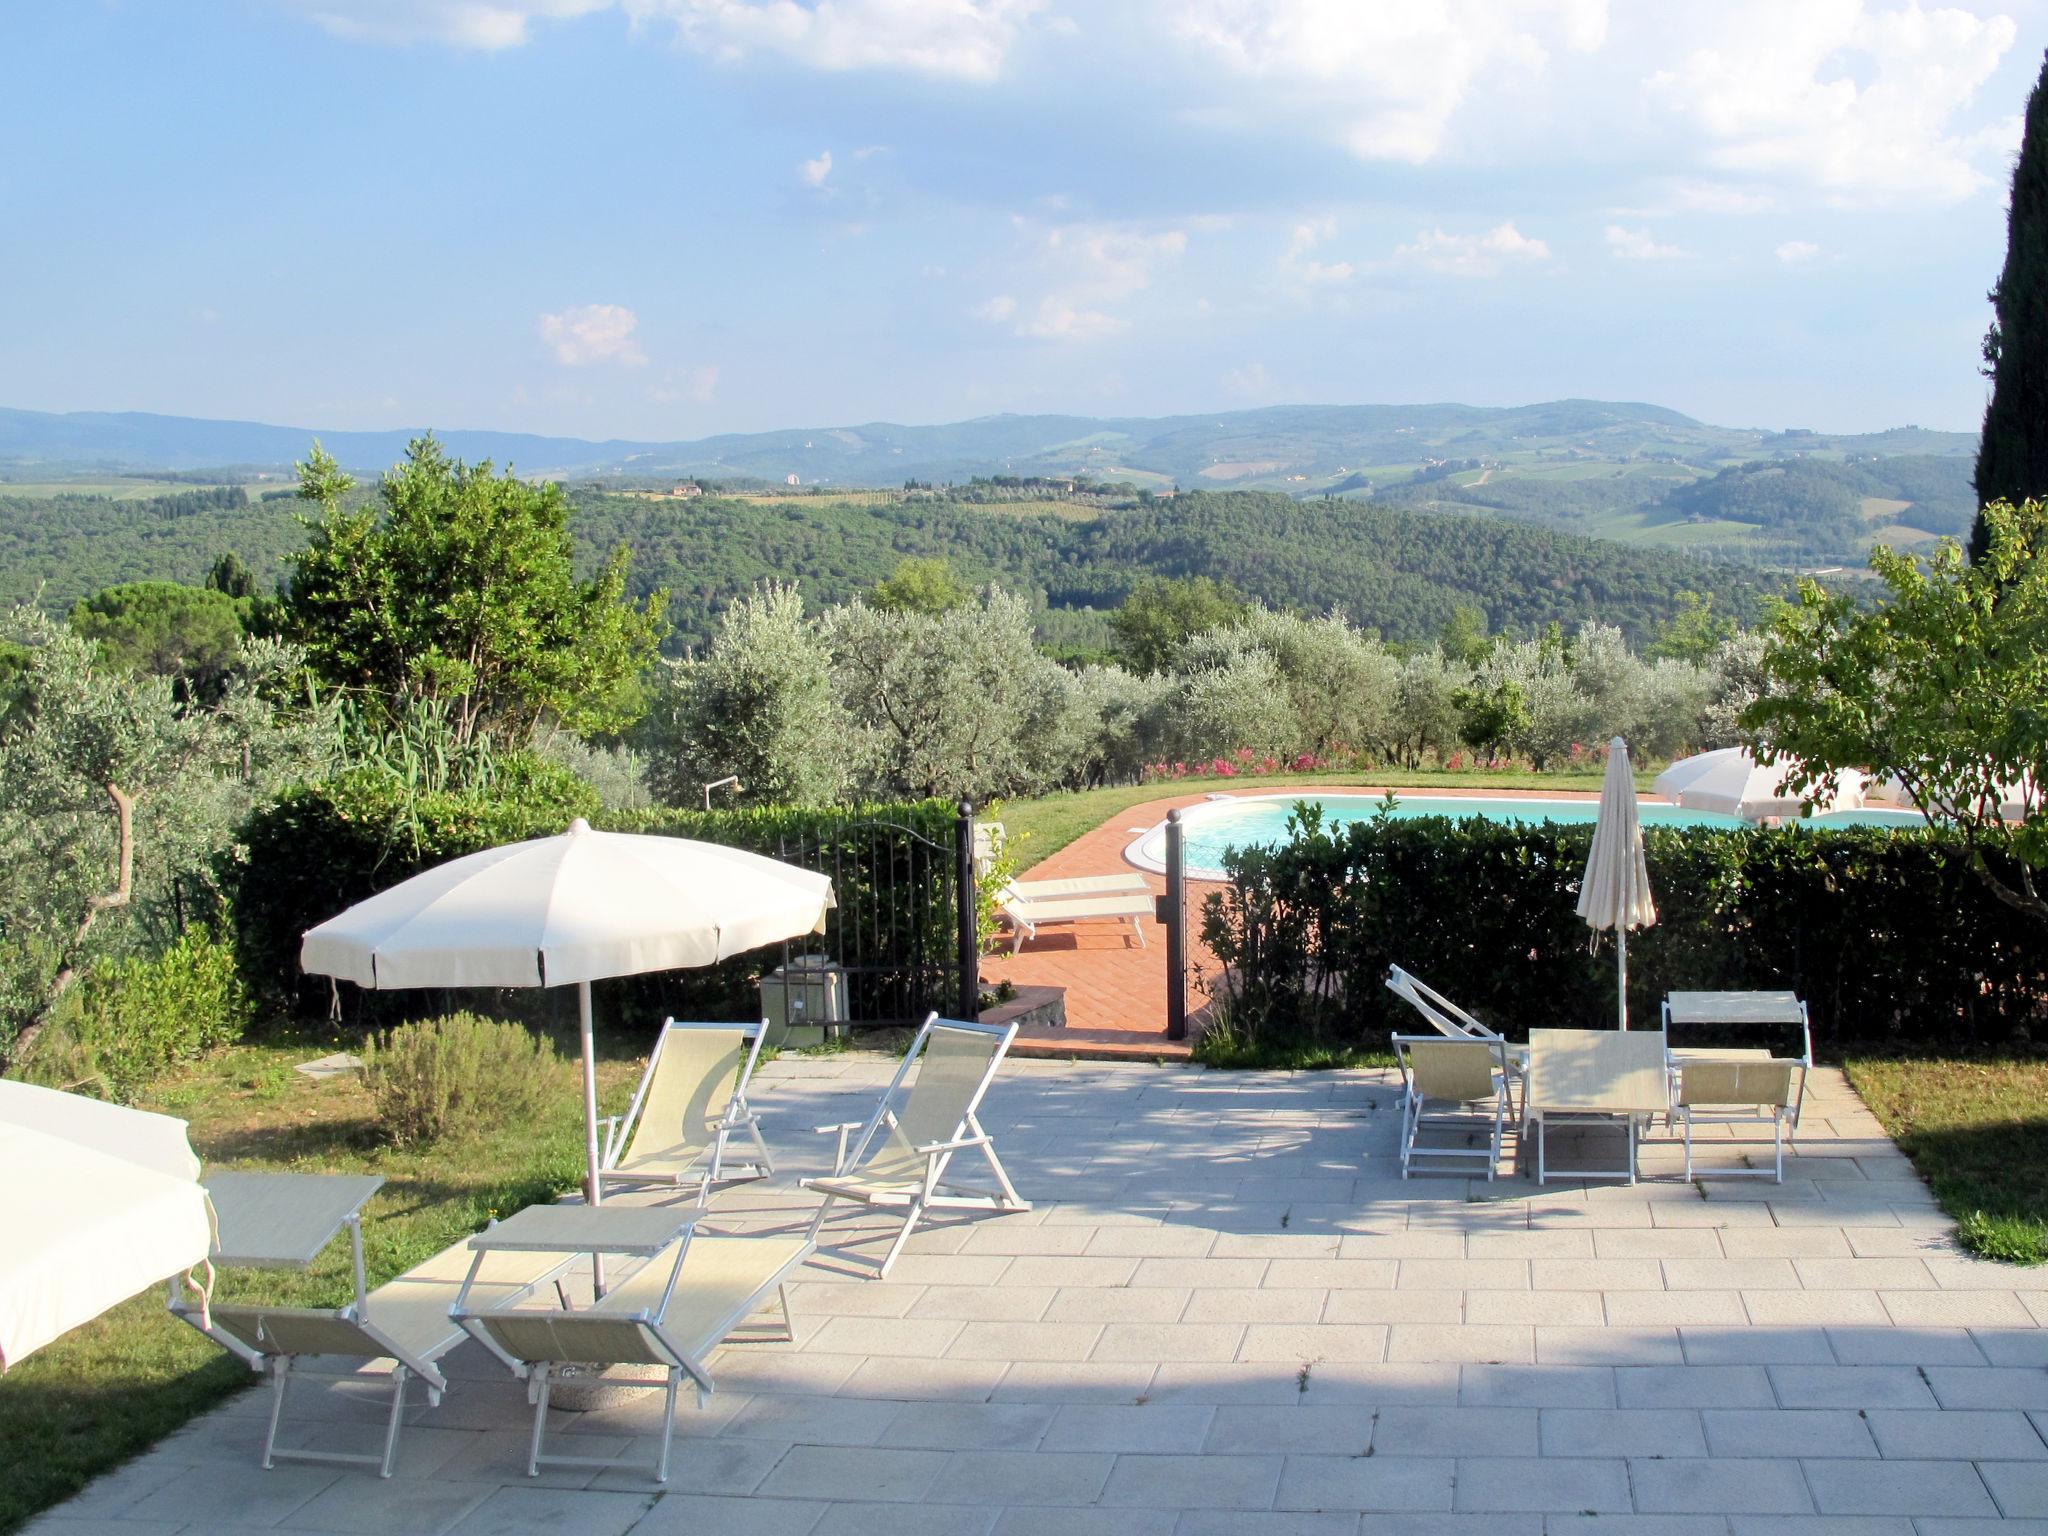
(2012, 457)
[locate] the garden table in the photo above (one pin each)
(1581, 1076)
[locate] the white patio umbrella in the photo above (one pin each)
(1731, 781)
(575, 908)
(98, 1202)
(1616, 890)
(2016, 797)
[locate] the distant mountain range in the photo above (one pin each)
(1294, 447)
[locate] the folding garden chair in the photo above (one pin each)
(1462, 1084)
(901, 1158)
(691, 1102)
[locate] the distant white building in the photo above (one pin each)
(790, 480)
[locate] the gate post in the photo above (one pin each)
(969, 913)
(1176, 928)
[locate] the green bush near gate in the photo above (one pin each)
(321, 849)
(1888, 936)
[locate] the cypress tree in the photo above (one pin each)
(2012, 456)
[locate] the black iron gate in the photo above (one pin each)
(904, 926)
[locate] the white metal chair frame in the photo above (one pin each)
(1680, 1054)
(1448, 1019)
(283, 1366)
(1415, 1100)
(737, 1117)
(933, 1191)
(678, 1357)
(1735, 1111)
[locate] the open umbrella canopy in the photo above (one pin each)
(1731, 781)
(1615, 893)
(98, 1202)
(2016, 799)
(580, 906)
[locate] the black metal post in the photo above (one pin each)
(970, 913)
(1176, 929)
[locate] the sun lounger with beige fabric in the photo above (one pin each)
(1740, 1090)
(1453, 1022)
(902, 1157)
(1586, 1076)
(1461, 1085)
(691, 1102)
(671, 1313)
(405, 1321)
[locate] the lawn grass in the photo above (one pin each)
(100, 1394)
(1977, 1128)
(1038, 829)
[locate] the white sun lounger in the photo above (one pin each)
(692, 1100)
(1587, 1076)
(1453, 1022)
(900, 1160)
(1740, 1090)
(405, 1321)
(1028, 914)
(1460, 1083)
(1132, 884)
(689, 1297)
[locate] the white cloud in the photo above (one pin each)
(960, 39)
(1393, 74)
(1794, 252)
(1854, 98)
(1252, 380)
(1300, 262)
(1059, 319)
(485, 24)
(1088, 270)
(1639, 245)
(814, 172)
(995, 310)
(1472, 255)
(592, 333)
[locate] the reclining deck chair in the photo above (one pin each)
(1453, 1022)
(1462, 1082)
(901, 1157)
(405, 1320)
(692, 1100)
(672, 1312)
(1740, 1090)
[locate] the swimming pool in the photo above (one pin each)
(1246, 821)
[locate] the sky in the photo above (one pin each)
(669, 218)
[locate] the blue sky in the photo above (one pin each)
(666, 218)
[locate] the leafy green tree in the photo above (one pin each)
(1492, 717)
(760, 703)
(1943, 683)
(1463, 636)
(2012, 454)
(921, 586)
(1162, 613)
(463, 589)
(1694, 633)
(228, 574)
(189, 634)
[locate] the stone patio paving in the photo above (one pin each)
(1228, 1314)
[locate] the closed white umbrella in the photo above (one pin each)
(1616, 890)
(1731, 781)
(97, 1202)
(578, 907)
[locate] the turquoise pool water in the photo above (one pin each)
(1261, 821)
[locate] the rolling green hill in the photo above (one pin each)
(1394, 569)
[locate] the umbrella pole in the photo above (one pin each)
(1620, 971)
(593, 1187)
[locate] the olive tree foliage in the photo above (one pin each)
(119, 801)
(1942, 684)
(1425, 718)
(762, 702)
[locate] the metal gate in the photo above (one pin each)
(904, 927)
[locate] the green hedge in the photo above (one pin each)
(324, 848)
(1887, 935)
(136, 1016)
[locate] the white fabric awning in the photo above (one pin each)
(97, 1203)
(580, 906)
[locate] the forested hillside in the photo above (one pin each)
(1401, 572)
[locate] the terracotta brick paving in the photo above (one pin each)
(1116, 991)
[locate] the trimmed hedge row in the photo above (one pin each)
(1888, 936)
(322, 849)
